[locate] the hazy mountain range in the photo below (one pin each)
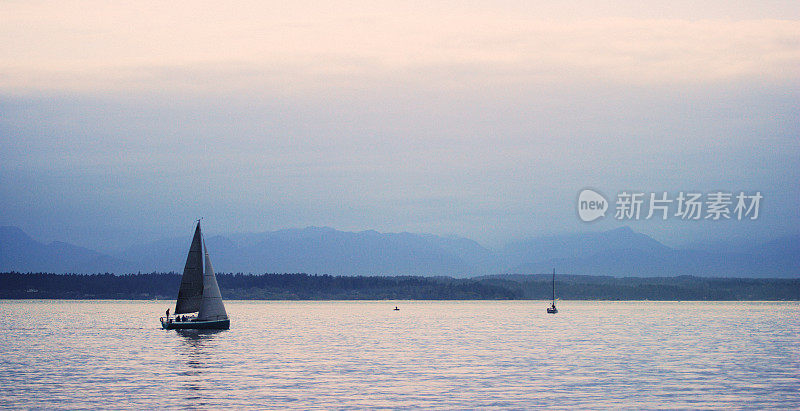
(619, 252)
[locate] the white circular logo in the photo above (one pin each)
(591, 205)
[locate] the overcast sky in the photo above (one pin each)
(125, 122)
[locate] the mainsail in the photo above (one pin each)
(190, 295)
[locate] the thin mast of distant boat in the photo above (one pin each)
(552, 308)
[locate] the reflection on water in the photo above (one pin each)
(87, 354)
(197, 351)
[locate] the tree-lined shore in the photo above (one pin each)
(15, 285)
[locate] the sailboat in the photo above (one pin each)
(552, 308)
(199, 304)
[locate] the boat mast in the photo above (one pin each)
(202, 248)
(554, 287)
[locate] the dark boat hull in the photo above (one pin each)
(196, 325)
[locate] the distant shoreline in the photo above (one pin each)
(305, 287)
(172, 301)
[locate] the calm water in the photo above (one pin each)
(113, 354)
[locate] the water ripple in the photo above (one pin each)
(437, 355)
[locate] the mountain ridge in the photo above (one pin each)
(20, 252)
(325, 250)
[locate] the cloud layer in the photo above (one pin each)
(120, 122)
(208, 46)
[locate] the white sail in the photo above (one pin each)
(211, 307)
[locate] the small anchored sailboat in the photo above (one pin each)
(199, 304)
(552, 308)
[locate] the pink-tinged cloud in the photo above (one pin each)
(216, 47)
